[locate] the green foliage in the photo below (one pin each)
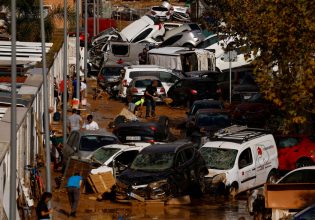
(28, 20)
(282, 33)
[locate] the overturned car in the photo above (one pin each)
(161, 172)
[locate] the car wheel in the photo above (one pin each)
(164, 122)
(233, 190)
(272, 177)
(304, 162)
(188, 45)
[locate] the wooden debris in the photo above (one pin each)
(102, 182)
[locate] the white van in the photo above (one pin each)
(167, 76)
(240, 158)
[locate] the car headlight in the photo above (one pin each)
(158, 184)
(220, 178)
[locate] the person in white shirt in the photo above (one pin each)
(91, 125)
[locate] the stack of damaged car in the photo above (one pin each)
(162, 172)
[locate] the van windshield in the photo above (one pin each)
(219, 158)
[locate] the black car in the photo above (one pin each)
(187, 90)
(203, 104)
(163, 171)
(137, 131)
(208, 121)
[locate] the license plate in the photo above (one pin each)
(133, 138)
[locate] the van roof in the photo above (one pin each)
(145, 67)
(238, 134)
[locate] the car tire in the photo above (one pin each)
(272, 177)
(233, 190)
(164, 122)
(304, 162)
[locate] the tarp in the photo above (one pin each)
(170, 62)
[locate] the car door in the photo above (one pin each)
(123, 160)
(69, 150)
(247, 170)
(167, 80)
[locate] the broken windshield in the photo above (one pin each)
(153, 161)
(219, 158)
(103, 154)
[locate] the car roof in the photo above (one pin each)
(145, 67)
(145, 77)
(211, 110)
(96, 132)
(210, 101)
(298, 169)
(164, 148)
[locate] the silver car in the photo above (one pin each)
(138, 86)
(82, 143)
(184, 39)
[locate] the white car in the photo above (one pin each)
(171, 25)
(240, 158)
(256, 199)
(121, 153)
(144, 30)
(167, 76)
(220, 46)
(160, 12)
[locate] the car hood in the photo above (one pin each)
(136, 177)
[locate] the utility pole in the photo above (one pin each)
(45, 90)
(65, 72)
(98, 16)
(94, 19)
(13, 141)
(78, 48)
(85, 38)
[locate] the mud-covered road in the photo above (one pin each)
(207, 207)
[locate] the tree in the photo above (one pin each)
(28, 19)
(282, 33)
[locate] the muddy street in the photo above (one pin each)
(207, 207)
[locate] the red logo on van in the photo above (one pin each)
(259, 151)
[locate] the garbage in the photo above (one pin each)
(184, 200)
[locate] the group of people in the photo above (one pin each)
(71, 88)
(75, 122)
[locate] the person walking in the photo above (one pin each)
(74, 121)
(42, 210)
(143, 56)
(149, 95)
(73, 187)
(62, 89)
(90, 125)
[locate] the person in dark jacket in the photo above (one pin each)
(149, 95)
(42, 210)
